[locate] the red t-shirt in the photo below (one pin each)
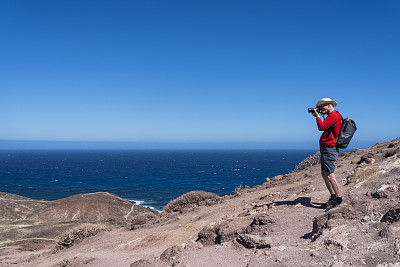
(333, 118)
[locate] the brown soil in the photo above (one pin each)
(279, 223)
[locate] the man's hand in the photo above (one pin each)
(315, 113)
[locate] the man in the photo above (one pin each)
(329, 152)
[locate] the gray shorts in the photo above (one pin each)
(328, 158)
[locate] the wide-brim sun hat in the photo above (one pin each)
(326, 101)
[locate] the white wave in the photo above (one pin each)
(137, 202)
(151, 207)
(143, 204)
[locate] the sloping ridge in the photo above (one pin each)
(24, 220)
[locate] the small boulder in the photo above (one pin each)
(141, 263)
(391, 152)
(385, 191)
(225, 233)
(254, 241)
(207, 236)
(219, 233)
(393, 215)
(171, 253)
(391, 145)
(331, 243)
(264, 219)
(367, 158)
(260, 224)
(385, 233)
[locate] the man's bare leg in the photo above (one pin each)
(327, 182)
(331, 183)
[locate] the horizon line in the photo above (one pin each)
(163, 145)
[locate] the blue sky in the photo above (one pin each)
(196, 71)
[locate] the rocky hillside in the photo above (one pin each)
(37, 223)
(279, 223)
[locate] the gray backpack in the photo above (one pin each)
(346, 133)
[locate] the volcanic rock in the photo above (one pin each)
(393, 215)
(254, 241)
(141, 263)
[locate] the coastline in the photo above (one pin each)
(155, 177)
(278, 223)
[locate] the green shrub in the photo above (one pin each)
(76, 235)
(308, 162)
(190, 198)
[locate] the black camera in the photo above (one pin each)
(312, 110)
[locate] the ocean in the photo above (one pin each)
(151, 178)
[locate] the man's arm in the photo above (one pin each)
(323, 125)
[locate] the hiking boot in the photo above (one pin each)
(330, 203)
(334, 203)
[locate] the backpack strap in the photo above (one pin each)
(331, 130)
(332, 127)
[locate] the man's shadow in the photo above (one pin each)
(304, 201)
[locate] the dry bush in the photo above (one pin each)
(64, 263)
(190, 198)
(76, 235)
(308, 162)
(141, 219)
(238, 188)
